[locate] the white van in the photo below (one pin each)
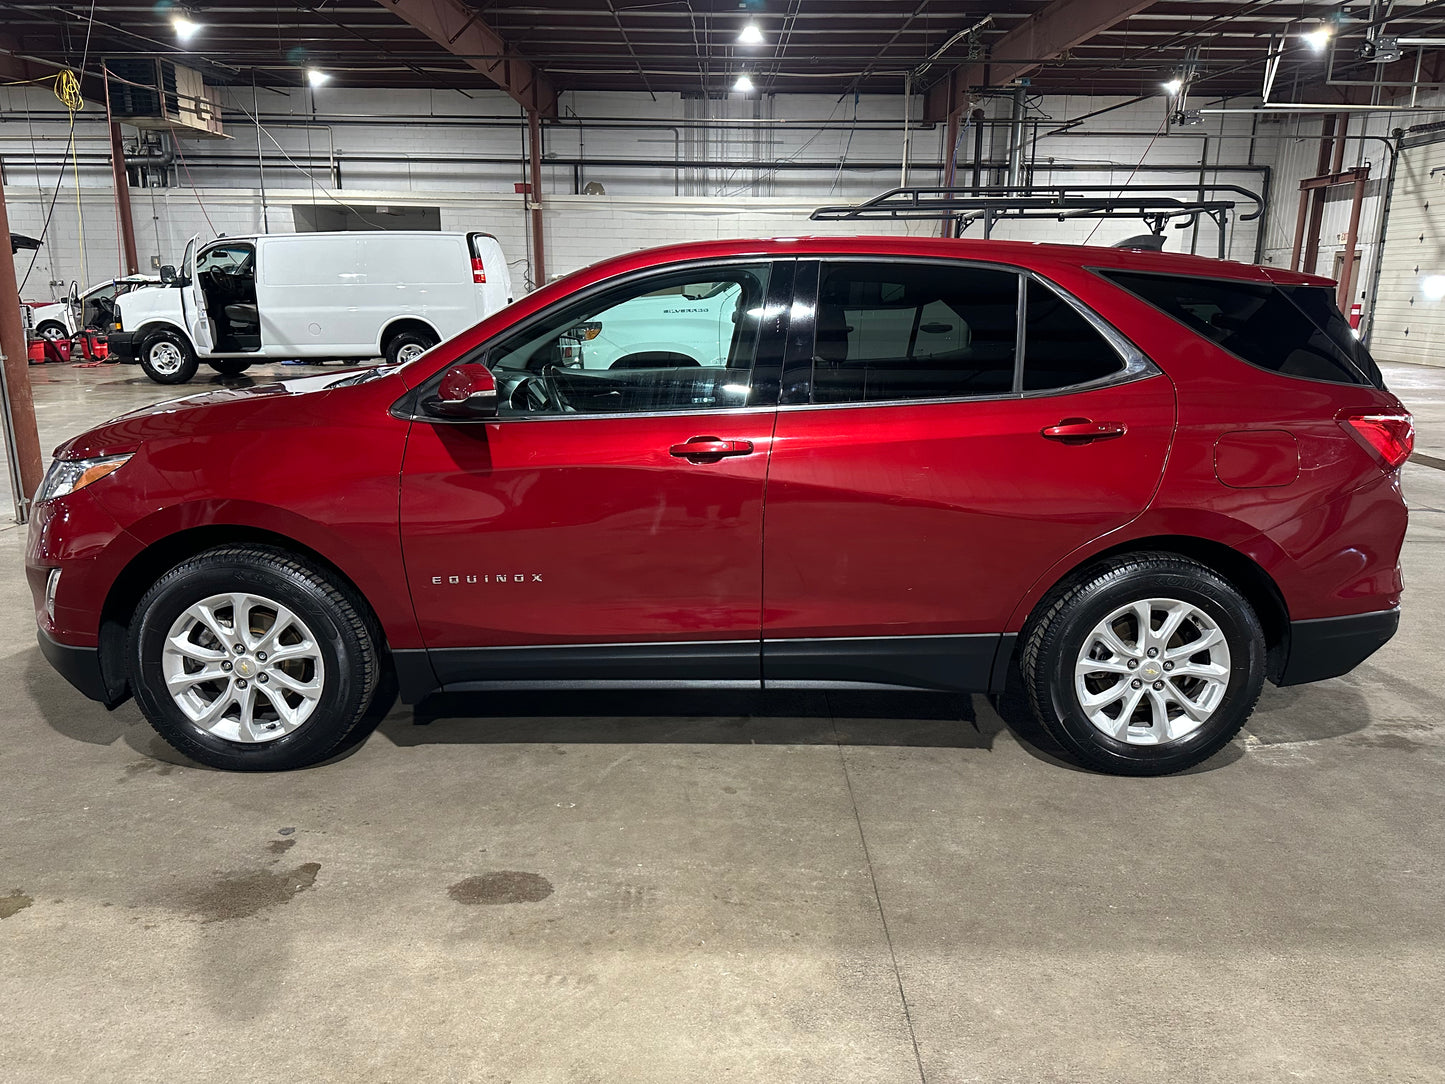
(310, 295)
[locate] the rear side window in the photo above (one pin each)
(913, 331)
(1287, 330)
(1061, 347)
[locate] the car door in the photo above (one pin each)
(606, 523)
(193, 302)
(935, 453)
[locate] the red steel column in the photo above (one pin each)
(534, 200)
(122, 199)
(21, 404)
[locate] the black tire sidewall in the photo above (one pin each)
(188, 366)
(1091, 605)
(407, 338)
(40, 330)
(230, 366)
(344, 690)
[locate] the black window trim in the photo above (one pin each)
(782, 269)
(1103, 273)
(1135, 364)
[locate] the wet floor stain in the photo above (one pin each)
(503, 886)
(243, 893)
(280, 846)
(17, 901)
(1386, 741)
(149, 767)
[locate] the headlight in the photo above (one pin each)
(69, 475)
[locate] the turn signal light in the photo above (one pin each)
(479, 273)
(1390, 436)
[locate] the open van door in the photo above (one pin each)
(489, 273)
(193, 302)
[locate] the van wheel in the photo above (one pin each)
(1145, 666)
(167, 358)
(52, 331)
(407, 346)
(247, 659)
(231, 366)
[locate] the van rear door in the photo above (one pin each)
(489, 273)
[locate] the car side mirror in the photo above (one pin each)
(168, 274)
(466, 393)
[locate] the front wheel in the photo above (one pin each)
(52, 331)
(167, 358)
(1147, 665)
(247, 659)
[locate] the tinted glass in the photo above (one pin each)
(669, 343)
(1256, 322)
(1061, 347)
(1318, 303)
(890, 331)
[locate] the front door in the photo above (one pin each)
(611, 516)
(928, 478)
(193, 302)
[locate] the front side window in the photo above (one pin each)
(1293, 331)
(677, 342)
(899, 331)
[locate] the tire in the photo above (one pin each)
(405, 346)
(1069, 654)
(230, 366)
(49, 329)
(326, 681)
(167, 358)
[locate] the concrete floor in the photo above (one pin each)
(799, 887)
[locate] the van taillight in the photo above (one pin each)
(479, 273)
(1390, 436)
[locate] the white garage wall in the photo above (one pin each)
(462, 154)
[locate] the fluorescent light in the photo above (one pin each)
(1318, 38)
(744, 85)
(316, 77)
(184, 26)
(750, 35)
(1174, 86)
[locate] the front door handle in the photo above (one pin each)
(1082, 430)
(705, 448)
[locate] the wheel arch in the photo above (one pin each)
(152, 562)
(1239, 569)
(399, 324)
(152, 326)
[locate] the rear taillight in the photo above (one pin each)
(479, 273)
(1390, 436)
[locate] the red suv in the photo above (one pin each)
(1153, 480)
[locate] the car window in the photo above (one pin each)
(229, 260)
(1061, 347)
(677, 342)
(1260, 323)
(899, 331)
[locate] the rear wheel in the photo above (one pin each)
(247, 659)
(167, 358)
(407, 346)
(1146, 665)
(230, 366)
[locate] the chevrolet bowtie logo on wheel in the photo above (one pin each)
(493, 577)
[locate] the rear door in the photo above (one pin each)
(489, 273)
(948, 434)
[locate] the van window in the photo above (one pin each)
(1294, 331)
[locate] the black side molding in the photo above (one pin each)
(945, 663)
(1330, 646)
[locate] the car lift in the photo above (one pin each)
(1157, 206)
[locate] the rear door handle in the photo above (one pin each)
(710, 448)
(1080, 430)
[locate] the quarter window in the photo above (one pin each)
(1294, 331)
(1061, 347)
(679, 342)
(897, 331)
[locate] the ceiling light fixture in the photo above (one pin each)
(184, 26)
(744, 85)
(1318, 38)
(316, 77)
(1174, 86)
(750, 35)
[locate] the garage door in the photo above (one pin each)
(1410, 308)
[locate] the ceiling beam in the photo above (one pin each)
(1047, 33)
(459, 29)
